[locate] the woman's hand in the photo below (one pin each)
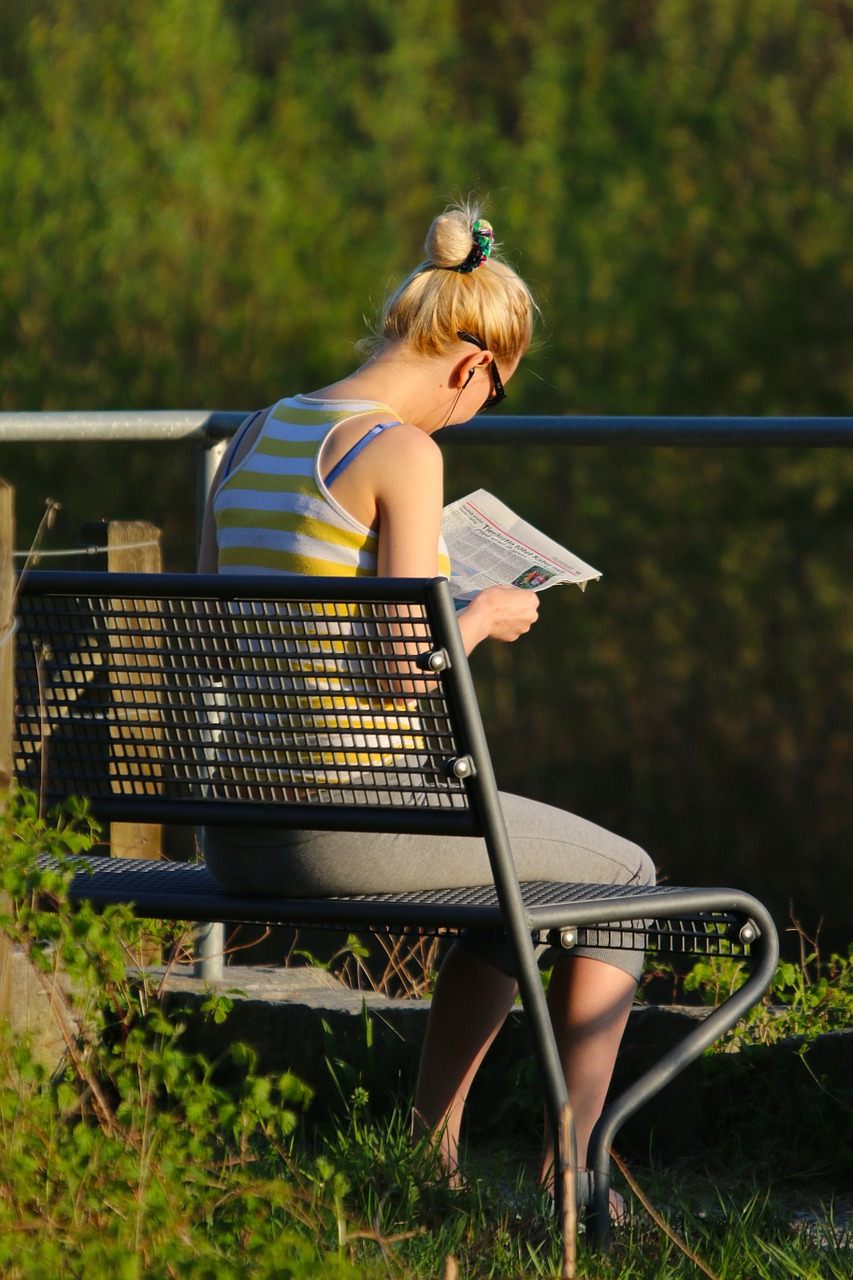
(498, 613)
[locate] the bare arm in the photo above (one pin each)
(409, 480)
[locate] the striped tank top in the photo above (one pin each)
(274, 514)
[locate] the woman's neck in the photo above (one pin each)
(414, 388)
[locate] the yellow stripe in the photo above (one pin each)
(293, 522)
(307, 417)
(286, 448)
(290, 562)
(246, 479)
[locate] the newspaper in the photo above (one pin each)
(489, 545)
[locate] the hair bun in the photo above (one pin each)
(450, 238)
(447, 294)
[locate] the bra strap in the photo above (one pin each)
(355, 450)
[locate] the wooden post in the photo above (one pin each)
(7, 697)
(130, 546)
(566, 1193)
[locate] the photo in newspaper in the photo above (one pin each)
(489, 545)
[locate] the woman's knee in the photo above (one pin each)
(645, 872)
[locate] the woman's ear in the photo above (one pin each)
(466, 369)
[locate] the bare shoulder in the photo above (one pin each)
(407, 468)
(406, 443)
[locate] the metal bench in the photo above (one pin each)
(205, 700)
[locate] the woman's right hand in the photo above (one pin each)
(498, 613)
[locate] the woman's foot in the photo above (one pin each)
(584, 1178)
(618, 1208)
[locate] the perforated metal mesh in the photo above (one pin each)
(295, 702)
(170, 889)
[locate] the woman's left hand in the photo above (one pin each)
(498, 613)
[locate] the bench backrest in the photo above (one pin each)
(307, 702)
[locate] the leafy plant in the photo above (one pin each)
(805, 999)
(133, 1156)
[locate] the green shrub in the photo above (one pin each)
(134, 1157)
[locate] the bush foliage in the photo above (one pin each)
(201, 201)
(133, 1157)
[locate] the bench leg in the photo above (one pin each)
(671, 1064)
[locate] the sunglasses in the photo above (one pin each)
(498, 394)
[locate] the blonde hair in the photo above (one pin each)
(437, 301)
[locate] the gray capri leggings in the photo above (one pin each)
(548, 844)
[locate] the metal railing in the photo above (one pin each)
(211, 431)
(209, 428)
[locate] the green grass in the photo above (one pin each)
(496, 1225)
(137, 1158)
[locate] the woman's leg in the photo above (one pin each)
(589, 1002)
(590, 996)
(591, 993)
(469, 1005)
(547, 844)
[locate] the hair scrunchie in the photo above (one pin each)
(483, 237)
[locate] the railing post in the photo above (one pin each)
(210, 453)
(209, 940)
(208, 948)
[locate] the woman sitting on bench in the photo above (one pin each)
(347, 480)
